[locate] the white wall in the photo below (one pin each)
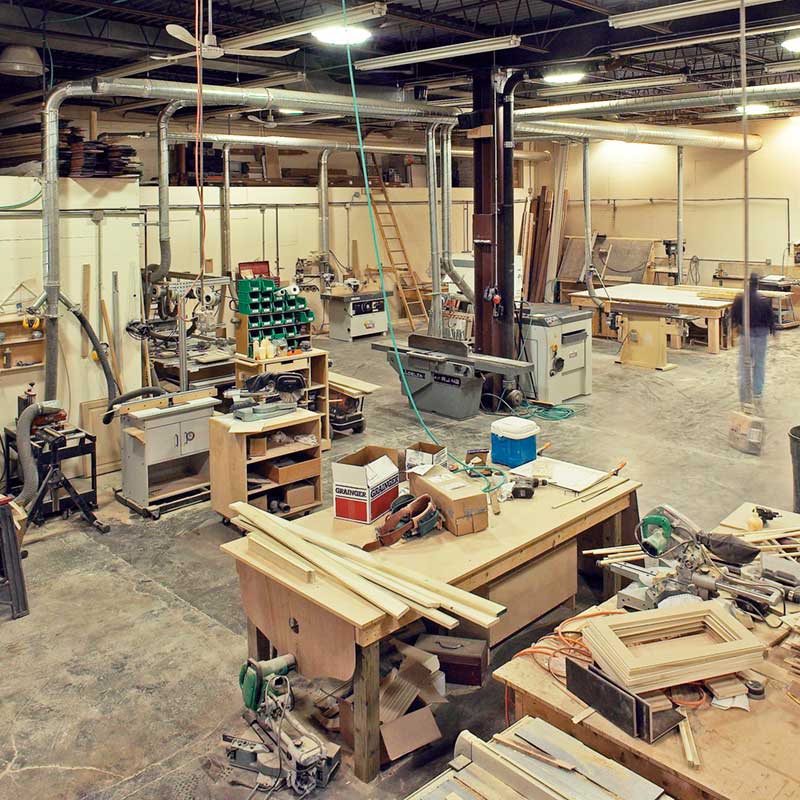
(713, 230)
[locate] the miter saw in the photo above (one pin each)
(267, 395)
(685, 561)
(287, 753)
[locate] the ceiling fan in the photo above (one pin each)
(307, 119)
(210, 48)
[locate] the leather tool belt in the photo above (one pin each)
(408, 516)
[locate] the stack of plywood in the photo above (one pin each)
(536, 232)
(665, 647)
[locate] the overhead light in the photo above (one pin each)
(792, 45)
(692, 41)
(440, 83)
(753, 108)
(289, 111)
(341, 34)
(563, 77)
(307, 25)
(783, 66)
(662, 13)
(770, 112)
(18, 59)
(435, 53)
(613, 86)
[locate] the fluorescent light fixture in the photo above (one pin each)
(559, 78)
(435, 53)
(307, 25)
(692, 41)
(614, 86)
(440, 83)
(289, 111)
(754, 108)
(783, 66)
(792, 45)
(341, 34)
(730, 115)
(662, 13)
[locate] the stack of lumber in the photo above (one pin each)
(535, 237)
(303, 556)
(17, 148)
(664, 647)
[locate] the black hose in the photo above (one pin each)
(25, 459)
(133, 394)
(111, 384)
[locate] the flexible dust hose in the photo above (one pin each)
(111, 384)
(133, 394)
(26, 461)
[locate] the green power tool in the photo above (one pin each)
(254, 676)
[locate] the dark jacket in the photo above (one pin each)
(761, 315)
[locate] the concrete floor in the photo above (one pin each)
(121, 680)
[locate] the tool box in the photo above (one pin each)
(463, 661)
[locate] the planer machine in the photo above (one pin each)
(446, 377)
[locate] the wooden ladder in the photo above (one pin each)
(407, 286)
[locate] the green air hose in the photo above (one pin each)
(489, 487)
(23, 203)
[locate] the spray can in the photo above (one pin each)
(7, 358)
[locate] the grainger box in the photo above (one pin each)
(365, 483)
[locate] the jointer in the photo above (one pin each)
(446, 377)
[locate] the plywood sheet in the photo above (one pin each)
(107, 446)
(647, 293)
(628, 259)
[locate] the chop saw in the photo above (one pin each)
(286, 753)
(685, 561)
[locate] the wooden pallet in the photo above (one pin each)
(408, 287)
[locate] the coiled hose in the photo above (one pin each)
(133, 394)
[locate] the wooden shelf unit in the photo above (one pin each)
(22, 346)
(312, 364)
(235, 457)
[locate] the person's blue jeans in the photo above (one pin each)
(758, 361)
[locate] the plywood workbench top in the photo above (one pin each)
(647, 293)
(523, 530)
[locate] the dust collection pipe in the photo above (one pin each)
(225, 216)
(587, 227)
(631, 132)
(679, 215)
(435, 318)
(715, 97)
(447, 213)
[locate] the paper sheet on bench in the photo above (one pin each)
(561, 473)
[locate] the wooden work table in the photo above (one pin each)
(744, 755)
(715, 312)
(340, 640)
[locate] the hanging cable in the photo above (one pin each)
(23, 203)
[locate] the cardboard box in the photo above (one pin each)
(463, 661)
(464, 507)
(365, 483)
(528, 593)
(299, 494)
(398, 737)
(421, 453)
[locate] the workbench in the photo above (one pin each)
(744, 755)
(716, 313)
(338, 638)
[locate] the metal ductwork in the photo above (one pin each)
(716, 97)
(271, 99)
(632, 132)
(435, 318)
(225, 229)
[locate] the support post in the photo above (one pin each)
(366, 721)
(679, 233)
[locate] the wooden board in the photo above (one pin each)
(107, 444)
(340, 382)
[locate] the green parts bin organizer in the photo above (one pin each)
(273, 314)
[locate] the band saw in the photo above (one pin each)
(446, 377)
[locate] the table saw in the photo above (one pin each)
(445, 376)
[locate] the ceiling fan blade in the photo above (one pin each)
(178, 57)
(261, 53)
(263, 122)
(180, 33)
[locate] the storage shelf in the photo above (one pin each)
(283, 450)
(37, 365)
(12, 340)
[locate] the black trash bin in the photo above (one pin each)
(794, 446)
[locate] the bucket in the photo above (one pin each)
(794, 447)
